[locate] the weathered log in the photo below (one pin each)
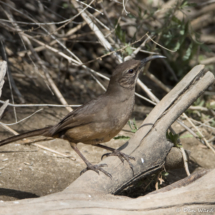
(198, 196)
(149, 145)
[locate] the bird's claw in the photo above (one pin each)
(96, 168)
(122, 156)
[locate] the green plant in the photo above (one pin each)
(173, 138)
(132, 125)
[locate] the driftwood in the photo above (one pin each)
(91, 193)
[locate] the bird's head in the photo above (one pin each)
(126, 73)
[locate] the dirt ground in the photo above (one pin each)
(27, 171)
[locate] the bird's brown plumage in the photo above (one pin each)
(100, 119)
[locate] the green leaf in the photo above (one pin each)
(120, 33)
(172, 137)
(121, 137)
(186, 136)
(177, 46)
(199, 102)
(188, 52)
(128, 50)
(212, 123)
(132, 125)
(209, 106)
(182, 32)
(176, 20)
(65, 5)
(165, 174)
(184, 4)
(178, 146)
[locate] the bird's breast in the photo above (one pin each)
(106, 124)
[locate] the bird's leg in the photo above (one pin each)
(90, 166)
(115, 152)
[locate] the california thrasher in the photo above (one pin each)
(100, 119)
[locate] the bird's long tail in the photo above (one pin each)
(38, 132)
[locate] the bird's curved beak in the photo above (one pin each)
(144, 61)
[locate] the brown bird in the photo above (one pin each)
(100, 119)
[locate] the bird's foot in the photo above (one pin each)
(122, 156)
(96, 168)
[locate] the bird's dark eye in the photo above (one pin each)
(130, 71)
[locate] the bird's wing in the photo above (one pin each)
(81, 116)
